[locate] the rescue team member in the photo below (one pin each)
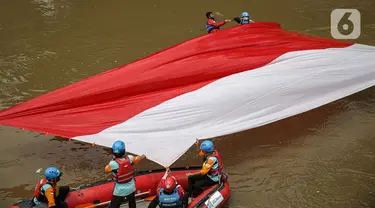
(245, 19)
(169, 193)
(123, 173)
(211, 171)
(212, 25)
(47, 193)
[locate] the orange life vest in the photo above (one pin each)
(125, 173)
(220, 168)
(39, 193)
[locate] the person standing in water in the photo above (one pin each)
(211, 24)
(123, 174)
(244, 20)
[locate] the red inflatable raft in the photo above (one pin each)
(100, 193)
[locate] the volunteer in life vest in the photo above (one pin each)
(244, 20)
(211, 24)
(123, 173)
(47, 193)
(169, 193)
(211, 171)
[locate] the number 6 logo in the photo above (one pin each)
(345, 24)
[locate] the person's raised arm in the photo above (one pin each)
(137, 159)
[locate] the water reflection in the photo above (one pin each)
(46, 7)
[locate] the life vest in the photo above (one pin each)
(244, 22)
(125, 173)
(209, 27)
(220, 168)
(170, 200)
(39, 192)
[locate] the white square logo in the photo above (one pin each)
(345, 24)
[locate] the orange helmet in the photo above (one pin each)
(170, 184)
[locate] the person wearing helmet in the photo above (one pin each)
(123, 174)
(47, 193)
(211, 172)
(244, 20)
(169, 193)
(211, 24)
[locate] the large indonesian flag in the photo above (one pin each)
(217, 84)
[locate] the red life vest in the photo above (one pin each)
(39, 193)
(125, 172)
(220, 169)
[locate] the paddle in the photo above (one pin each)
(220, 14)
(150, 198)
(91, 205)
(39, 171)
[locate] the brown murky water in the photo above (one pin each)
(323, 158)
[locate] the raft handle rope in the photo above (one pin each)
(78, 189)
(107, 202)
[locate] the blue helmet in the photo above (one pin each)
(118, 147)
(52, 173)
(207, 146)
(245, 14)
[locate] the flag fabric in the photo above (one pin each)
(217, 84)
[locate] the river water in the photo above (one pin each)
(322, 158)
